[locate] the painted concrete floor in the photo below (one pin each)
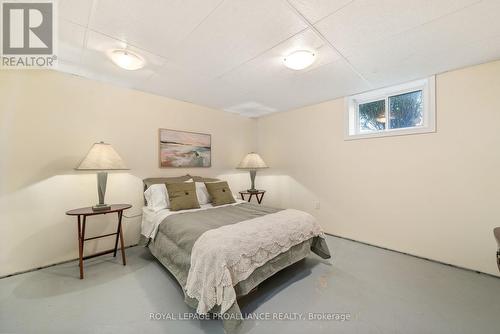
(382, 291)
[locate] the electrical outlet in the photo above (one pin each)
(317, 205)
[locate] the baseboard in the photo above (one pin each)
(48, 265)
(419, 257)
(330, 234)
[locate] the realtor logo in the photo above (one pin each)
(28, 34)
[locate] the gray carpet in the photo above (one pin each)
(382, 291)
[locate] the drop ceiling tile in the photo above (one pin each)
(236, 32)
(267, 71)
(324, 83)
(415, 54)
(175, 82)
(366, 21)
(153, 25)
(96, 61)
(264, 84)
(76, 11)
(294, 89)
(73, 68)
(315, 10)
(70, 41)
(476, 53)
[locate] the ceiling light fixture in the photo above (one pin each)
(127, 60)
(299, 60)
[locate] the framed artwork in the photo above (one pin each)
(185, 149)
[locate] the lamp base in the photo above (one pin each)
(102, 178)
(101, 207)
(253, 172)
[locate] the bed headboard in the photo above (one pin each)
(148, 182)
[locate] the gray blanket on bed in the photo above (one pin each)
(186, 228)
(177, 234)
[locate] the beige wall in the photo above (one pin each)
(49, 120)
(433, 195)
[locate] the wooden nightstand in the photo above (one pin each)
(259, 194)
(82, 215)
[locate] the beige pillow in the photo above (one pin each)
(220, 193)
(182, 196)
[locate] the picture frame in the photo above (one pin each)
(184, 149)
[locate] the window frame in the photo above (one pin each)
(352, 125)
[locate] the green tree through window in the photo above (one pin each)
(372, 116)
(405, 110)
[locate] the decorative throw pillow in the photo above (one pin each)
(182, 196)
(157, 197)
(161, 181)
(220, 193)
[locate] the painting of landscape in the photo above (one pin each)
(184, 149)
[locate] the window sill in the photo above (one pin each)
(391, 133)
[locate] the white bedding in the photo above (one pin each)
(151, 219)
(224, 256)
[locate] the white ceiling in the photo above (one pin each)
(227, 54)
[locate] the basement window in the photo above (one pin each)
(398, 110)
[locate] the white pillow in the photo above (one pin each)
(157, 197)
(201, 192)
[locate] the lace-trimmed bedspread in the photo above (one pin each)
(224, 256)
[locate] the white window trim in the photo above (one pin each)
(351, 119)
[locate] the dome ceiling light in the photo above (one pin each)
(299, 60)
(127, 59)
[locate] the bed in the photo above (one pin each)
(183, 242)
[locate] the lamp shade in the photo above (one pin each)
(102, 156)
(252, 161)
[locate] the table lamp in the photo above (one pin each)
(102, 157)
(252, 161)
